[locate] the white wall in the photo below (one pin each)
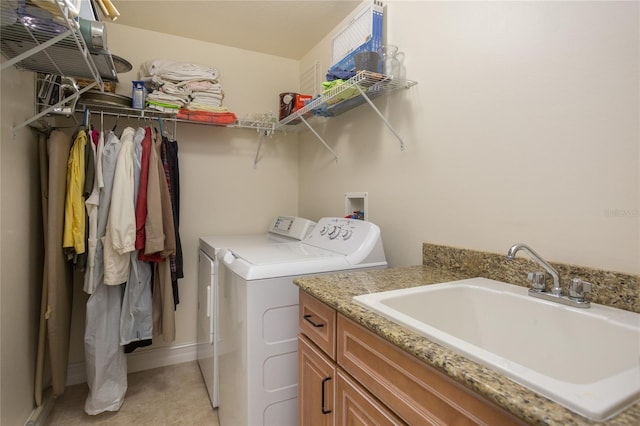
(524, 126)
(21, 247)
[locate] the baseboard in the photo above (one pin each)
(41, 413)
(141, 359)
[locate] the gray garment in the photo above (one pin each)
(136, 321)
(104, 357)
(137, 161)
(92, 204)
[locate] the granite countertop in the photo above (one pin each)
(337, 291)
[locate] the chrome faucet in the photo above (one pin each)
(577, 287)
(511, 254)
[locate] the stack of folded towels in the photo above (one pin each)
(186, 89)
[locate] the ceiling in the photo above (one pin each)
(281, 28)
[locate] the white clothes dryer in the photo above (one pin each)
(283, 229)
(258, 315)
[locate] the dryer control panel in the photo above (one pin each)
(294, 227)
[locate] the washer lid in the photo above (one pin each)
(287, 263)
(213, 243)
(283, 253)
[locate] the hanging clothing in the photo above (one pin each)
(165, 205)
(80, 260)
(91, 204)
(136, 321)
(170, 161)
(136, 318)
(120, 235)
(74, 215)
(154, 235)
(141, 199)
(163, 304)
(105, 361)
(164, 323)
(57, 288)
(159, 229)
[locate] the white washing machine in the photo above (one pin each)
(258, 316)
(283, 229)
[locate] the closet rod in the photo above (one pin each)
(259, 126)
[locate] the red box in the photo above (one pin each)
(291, 102)
(300, 100)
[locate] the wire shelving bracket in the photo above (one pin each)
(361, 88)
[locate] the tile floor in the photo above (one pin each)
(173, 395)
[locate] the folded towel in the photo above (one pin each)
(163, 106)
(206, 96)
(219, 109)
(201, 85)
(204, 106)
(207, 117)
(177, 71)
(166, 97)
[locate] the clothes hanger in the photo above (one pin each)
(160, 124)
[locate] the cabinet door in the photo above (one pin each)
(316, 381)
(356, 407)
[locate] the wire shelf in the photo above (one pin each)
(50, 46)
(348, 95)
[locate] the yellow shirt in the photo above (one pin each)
(74, 215)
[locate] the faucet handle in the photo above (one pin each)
(578, 288)
(537, 280)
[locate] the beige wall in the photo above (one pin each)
(524, 126)
(21, 248)
(220, 191)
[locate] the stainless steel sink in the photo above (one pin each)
(585, 359)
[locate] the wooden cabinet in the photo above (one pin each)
(373, 381)
(316, 362)
(357, 407)
(316, 380)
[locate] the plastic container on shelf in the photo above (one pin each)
(138, 94)
(390, 63)
(367, 61)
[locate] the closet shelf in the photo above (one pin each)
(32, 40)
(48, 46)
(118, 111)
(346, 96)
(361, 88)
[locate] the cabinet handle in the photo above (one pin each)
(308, 318)
(325, 380)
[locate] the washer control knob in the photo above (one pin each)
(324, 230)
(334, 231)
(346, 234)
